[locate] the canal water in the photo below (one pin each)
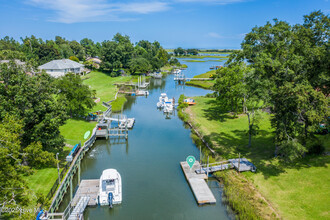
(153, 184)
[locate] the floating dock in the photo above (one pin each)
(201, 190)
(87, 188)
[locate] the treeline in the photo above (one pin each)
(285, 68)
(115, 54)
(180, 51)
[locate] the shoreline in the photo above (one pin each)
(242, 208)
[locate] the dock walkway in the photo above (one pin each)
(87, 188)
(240, 164)
(201, 191)
(79, 209)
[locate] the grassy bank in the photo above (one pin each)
(104, 86)
(203, 84)
(74, 129)
(297, 191)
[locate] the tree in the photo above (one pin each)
(229, 86)
(192, 51)
(78, 98)
(15, 162)
(33, 100)
(291, 64)
(163, 56)
(111, 56)
(90, 47)
(12, 184)
(139, 64)
(78, 50)
(179, 51)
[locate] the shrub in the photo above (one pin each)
(73, 58)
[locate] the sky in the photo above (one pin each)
(216, 24)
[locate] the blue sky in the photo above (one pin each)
(186, 23)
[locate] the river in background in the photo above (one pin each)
(153, 184)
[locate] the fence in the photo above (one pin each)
(67, 180)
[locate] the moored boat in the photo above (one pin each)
(110, 188)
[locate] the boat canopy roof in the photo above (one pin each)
(109, 174)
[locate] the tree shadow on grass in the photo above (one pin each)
(261, 153)
(215, 112)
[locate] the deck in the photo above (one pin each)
(87, 188)
(201, 190)
(240, 165)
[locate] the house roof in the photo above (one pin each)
(60, 64)
(18, 62)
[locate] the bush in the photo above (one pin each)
(73, 58)
(210, 95)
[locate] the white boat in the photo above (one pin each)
(158, 75)
(110, 188)
(177, 71)
(142, 93)
(168, 108)
(163, 99)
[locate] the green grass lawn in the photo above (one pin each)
(74, 130)
(298, 191)
(203, 84)
(104, 86)
(42, 180)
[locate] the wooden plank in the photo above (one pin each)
(87, 188)
(201, 190)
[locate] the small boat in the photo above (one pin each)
(190, 101)
(142, 93)
(157, 75)
(168, 108)
(212, 67)
(110, 188)
(177, 71)
(164, 100)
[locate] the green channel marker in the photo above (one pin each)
(191, 160)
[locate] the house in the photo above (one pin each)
(58, 68)
(29, 71)
(18, 62)
(94, 60)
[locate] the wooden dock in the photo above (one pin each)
(201, 190)
(240, 164)
(87, 188)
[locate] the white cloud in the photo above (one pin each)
(73, 11)
(218, 36)
(214, 35)
(222, 2)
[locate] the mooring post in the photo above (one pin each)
(71, 190)
(200, 158)
(239, 161)
(207, 171)
(126, 130)
(79, 172)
